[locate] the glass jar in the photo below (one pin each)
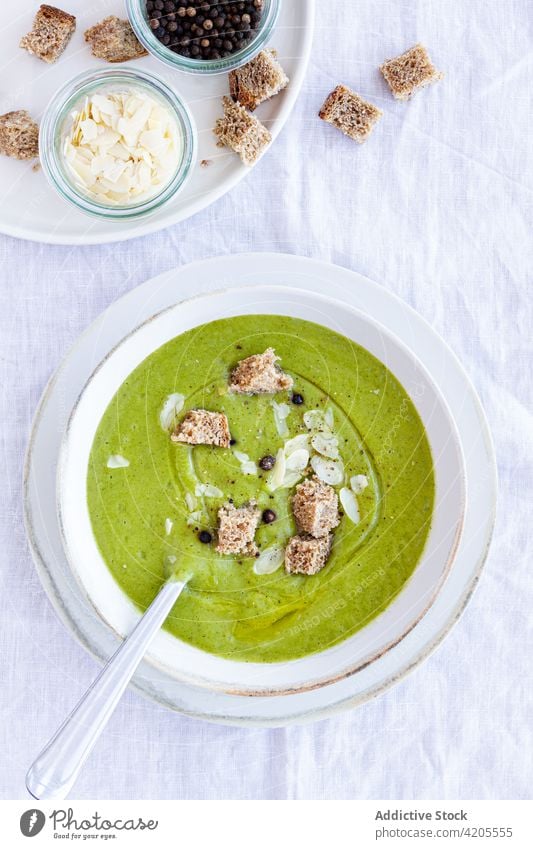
(57, 121)
(139, 21)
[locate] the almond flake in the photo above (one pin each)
(300, 441)
(291, 479)
(248, 467)
(122, 146)
(275, 478)
(297, 461)
(328, 471)
(171, 408)
(195, 518)
(358, 483)
(349, 504)
(314, 419)
(116, 461)
(208, 490)
(270, 560)
(281, 413)
(326, 445)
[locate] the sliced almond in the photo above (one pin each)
(350, 505)
(359, 483)
(190, 501)
(297, 461)
(275, 478)
(297, 442)
(314, 419)
(328, 471)
(270, 560)
(326, 445)
(117, 461)
(291, 479)
(281, 413)
(195, 518)
(329, 418)
(208, 491)
(171, 408)
(249, 468)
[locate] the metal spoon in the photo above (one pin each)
(57, 767)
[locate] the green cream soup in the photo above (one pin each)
(147, 516)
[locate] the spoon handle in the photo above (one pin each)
(58, 765)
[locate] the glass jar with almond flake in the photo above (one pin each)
(117, 144)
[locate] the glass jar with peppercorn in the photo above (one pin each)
(203, 36)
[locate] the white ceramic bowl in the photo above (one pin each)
(181, 661)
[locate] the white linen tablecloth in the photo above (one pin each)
(436, 206)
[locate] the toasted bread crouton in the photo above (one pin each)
(242, 132)
(259, 375)
(200, 427)
(351, 114)
(306, 555)
(19, 135)
(316, 508)
(51, 32)
(114, 40)
(236, 529)
(258, 80)
(409, 72)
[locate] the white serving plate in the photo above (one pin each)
(30, 208)
(155, 679)
(184, 662)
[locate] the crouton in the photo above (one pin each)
(351, 114)
(241, 132)
(200, 427)
(114, 40)
(19, 135)
(316, 508)
(409, 72)
(306, 555)
(259, 375)
(51, 32)
(258, 80)
(236, 529)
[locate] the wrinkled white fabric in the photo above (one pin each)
(436, 206)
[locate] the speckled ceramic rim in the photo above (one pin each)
(313, 684)
(148, 688)
(136, 10)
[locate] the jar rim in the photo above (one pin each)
(136, 10)
(52, 126)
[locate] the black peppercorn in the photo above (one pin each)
(269, 516)
(297, 399)
(207, 31)
(205, 537)
(267, 463)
